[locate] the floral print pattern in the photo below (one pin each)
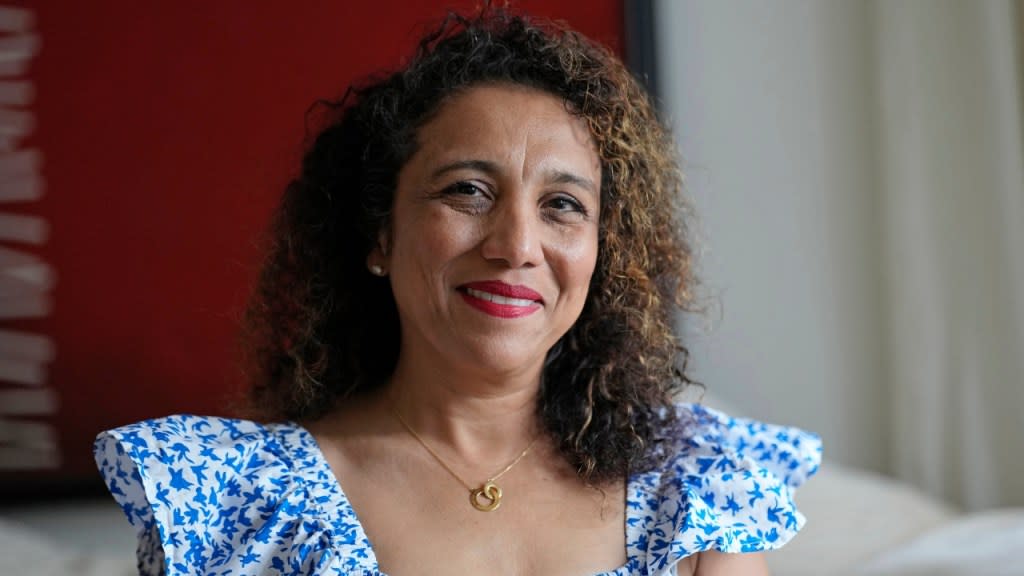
(225, 497)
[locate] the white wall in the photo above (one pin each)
(772, 106)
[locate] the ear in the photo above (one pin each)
(379, 255)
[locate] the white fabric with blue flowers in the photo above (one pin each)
(224, 497)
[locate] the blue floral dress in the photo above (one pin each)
(217, 496)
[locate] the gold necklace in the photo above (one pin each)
(485, 498)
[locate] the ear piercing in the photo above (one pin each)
(377, 270)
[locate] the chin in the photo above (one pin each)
(504, 360)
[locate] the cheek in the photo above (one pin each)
(579, 260)
(430, 241)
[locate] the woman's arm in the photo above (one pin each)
(714, 563)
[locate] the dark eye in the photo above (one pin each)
(464, 189)
(469, 196)
(566, 204)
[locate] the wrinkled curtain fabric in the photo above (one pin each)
(952, 189)
(858, 171)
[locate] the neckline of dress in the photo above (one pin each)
(335, 505)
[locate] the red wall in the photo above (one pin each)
(168, 131)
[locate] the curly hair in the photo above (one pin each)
(320, 328)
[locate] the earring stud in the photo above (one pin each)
(376, 270)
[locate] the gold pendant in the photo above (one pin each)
(491, 495)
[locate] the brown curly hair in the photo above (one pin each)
(320, 328)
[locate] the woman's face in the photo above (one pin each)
(493, 237)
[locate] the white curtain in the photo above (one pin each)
(952, 189)
(859, 170)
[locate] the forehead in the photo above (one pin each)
(482, 117)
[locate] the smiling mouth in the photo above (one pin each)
(499, 299)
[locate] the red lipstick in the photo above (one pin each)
(500, 299)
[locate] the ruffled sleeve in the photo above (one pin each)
(213, 496)
(729, 488)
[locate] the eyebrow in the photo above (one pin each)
(491, 169)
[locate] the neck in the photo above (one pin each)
(481, 420)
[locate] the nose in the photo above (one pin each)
(513, 235)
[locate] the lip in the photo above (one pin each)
(507, 290)
(501, 289)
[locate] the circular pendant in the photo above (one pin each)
(486, 497)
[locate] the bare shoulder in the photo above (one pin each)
(714, 563)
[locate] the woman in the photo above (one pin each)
(467, 305)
